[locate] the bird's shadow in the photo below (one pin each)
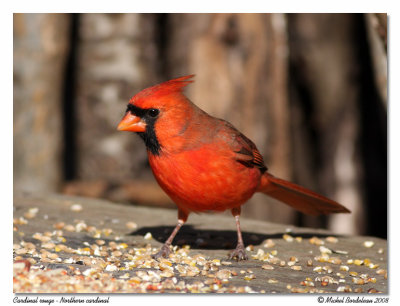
(213, 239)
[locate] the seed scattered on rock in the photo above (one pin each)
(131, 225)
(223, 274)
(346, 288)
(100, 242)
(76, 207)
(249, 277)
(250, 248)
(358, 281)
(148, 236)
(335, 260)
(344, 268)
(331, 239)
(267, 267)
(111, 268)
(31, 213)
(20, 221)
(368, 244)
(287, 238)
(97, 259)
(226, 263)
(316, 241)
(299, 239)
(358, 262)
(69, 228)
(381, 272)
(48, 245)
(21, 251)
(269, 243)
(341, 252)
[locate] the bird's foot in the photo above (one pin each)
(239, 253)
(163, 253)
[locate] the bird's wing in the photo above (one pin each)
(245, 150)
(248, 154)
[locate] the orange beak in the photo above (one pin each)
(131, 123)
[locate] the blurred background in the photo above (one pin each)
(309, 89)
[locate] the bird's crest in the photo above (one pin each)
(149, 95)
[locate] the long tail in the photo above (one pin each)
(298, 197)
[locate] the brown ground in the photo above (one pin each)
(68, 244)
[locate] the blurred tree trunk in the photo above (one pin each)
(304, 87)
(117, 57)
(40, 48)
(377, 37)
(240, 62)
(326, 89)
(373, 109)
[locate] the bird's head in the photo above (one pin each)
(158, 112)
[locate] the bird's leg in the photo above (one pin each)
(239, 253)
(165, 249)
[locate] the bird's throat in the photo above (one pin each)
(150, 139)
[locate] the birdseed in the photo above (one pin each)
(368, 244)
(94, 259)
(331, 239)
(131, 225)
(76, 207)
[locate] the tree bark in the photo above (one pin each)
(40, 49)
(241, 76)
(377, 37)
(326, 85)
(117, 58)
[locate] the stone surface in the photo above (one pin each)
(78, 224)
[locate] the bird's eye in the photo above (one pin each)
(153, 112)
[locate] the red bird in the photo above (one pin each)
(205, 164)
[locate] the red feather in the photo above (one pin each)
(148, 97)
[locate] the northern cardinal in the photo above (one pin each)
(205, 164)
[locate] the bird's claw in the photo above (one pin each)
(163, 253)
(239, 253)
